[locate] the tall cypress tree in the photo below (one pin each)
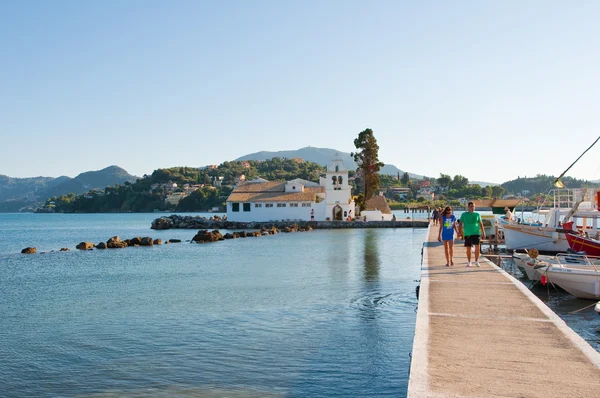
(367, 158)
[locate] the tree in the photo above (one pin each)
(405, 179)
(368, 162)
(497, 191)
(459, 182)
(444, 180)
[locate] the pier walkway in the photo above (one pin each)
(482, 333)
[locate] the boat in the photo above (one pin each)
(581, 280)
(597, 308)
(584, 238)
(549, 235)
(529, 265)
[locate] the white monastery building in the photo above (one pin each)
(301, 200)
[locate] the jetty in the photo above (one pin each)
(481, 333)
(198, 222)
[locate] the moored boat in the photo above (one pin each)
(549, 234)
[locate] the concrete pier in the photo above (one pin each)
(482, 333)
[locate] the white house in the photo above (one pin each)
(302, 200)
(377, 209)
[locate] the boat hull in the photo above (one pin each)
(544, 239)
(582, 244)
(526, 265)
(583, 284)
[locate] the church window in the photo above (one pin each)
(337, 169)
(334, 180)
(340, 179)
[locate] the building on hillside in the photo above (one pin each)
(245, 164)
(302, 200)
(426, 193)
(174, 198)
(217, 181)
(239, 179)
(402, 192)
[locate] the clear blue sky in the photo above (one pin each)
(488, 90)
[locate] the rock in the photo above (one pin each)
(85, 246)
(204, 236)
(101, 245)
(115, 243)
(146, 241)
(135, 241)
(29, 250)
(64, 249)
(162, 223)
(228, 236)
(174, 240)
(157, 242)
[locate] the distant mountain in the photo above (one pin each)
(321, 156)
(484, 184)
(16, 193)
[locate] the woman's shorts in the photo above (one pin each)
(471, 240)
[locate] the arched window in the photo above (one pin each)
(334, 180)
(340, 179)
(337, 169)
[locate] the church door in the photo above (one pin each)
(337, 213)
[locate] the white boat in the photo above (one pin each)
(548, 235)
(597, 308)
(581, 281)
(574, 273)
(526, 264)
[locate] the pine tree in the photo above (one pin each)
(368, 162)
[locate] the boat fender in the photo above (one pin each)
(554, 237)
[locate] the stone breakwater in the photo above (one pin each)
(198, 222)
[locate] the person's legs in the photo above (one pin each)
(451, 251)
(468, 247)
(447, 253)
(477, 249)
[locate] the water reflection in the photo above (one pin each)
(371, 255)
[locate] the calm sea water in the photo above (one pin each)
(322, 313)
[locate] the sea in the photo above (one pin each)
(326, 313)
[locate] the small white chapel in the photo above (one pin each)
(295, 200)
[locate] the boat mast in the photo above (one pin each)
(558, 183)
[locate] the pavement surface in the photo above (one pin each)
(482, 333)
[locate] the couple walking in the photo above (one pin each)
(468, 227)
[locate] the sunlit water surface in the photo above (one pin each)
(322, 313)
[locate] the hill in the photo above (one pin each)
(18, 193)
(321, 156)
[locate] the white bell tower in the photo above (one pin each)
(339, 196)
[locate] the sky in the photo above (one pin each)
(488, 90)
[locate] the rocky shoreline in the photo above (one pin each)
(204, 224)
(197, 222)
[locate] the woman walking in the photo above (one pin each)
(446, 234)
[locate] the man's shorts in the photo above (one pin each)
(471, 240)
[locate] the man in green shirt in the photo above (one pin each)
(470, 226)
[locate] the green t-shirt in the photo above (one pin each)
(470, 222)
